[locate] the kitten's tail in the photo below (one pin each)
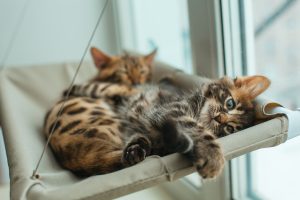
(174, 139)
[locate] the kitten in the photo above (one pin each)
(116, 75)
(159, 123)
(129, 70)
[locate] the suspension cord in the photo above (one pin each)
(35, 171)
(16, 30)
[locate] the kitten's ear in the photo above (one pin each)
(252, 85)
(150, 57)
(100, 58)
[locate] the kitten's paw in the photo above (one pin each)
(134, 154)
(211, 164)
(136, 151)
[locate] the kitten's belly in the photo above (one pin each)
(87, 129)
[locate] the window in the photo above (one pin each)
(277, 48)
(272, 47)
(162, 24)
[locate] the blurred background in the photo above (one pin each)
(263, 35)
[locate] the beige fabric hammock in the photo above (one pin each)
(27, 93)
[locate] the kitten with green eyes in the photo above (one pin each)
(161, 123)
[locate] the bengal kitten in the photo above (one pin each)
(161, 123)
(104, 138)
(116, 75)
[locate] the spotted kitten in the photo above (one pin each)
(116, 75)
(88, 131)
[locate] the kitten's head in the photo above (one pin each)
(129, 70)
(229, 103)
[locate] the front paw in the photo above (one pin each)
(136, 151)
(134, 154)
(210, 165)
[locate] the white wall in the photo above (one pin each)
(54, 30)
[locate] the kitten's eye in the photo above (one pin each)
(229, 129)
(230, 104)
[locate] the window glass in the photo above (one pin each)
(277, 47)
(163, 24)
(274, 172)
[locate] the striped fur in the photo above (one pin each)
(190, 123)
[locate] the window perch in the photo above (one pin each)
(24, 102)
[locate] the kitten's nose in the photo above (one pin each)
(221, 118)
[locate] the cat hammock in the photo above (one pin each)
(26, 95)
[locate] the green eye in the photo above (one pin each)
(229, 129)
(230, 104)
